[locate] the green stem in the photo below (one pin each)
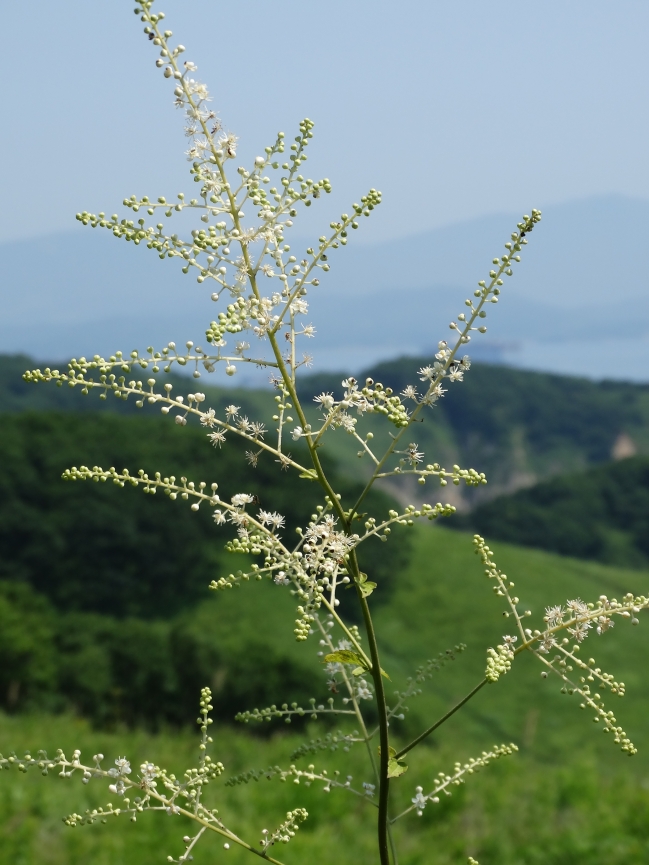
(384, 781)
(441, 720)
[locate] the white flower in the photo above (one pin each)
(554, 615)
(241, 499)
(123, 766)
(280, 579)
(369, 789)
(426, 373)
(228, 143)
(419, 800)
(326, 400)
(149, 772)
(362, 691)
(198, 113)
(297, 433)
(509, 641)
(604, 623)
(456, 374)
(209, 418)
(180, 420)
(189, 66)
(118, 788)
(247, 236)
(333, 667)
(267, 270)
(217, 438)
(271, 518)
(309, 330)
(257, 429)
(580, 631)
(231, 410)
(239, 518)
(299, 307)
(198, 89)
(410, 392)
(547, 644)
(212, 181)
(577, 607)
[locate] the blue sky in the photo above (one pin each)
(453, 110)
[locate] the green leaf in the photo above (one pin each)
(366, 586)
(345, 656)
(396, 767)
(309, 475)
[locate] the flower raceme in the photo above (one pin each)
(243, 260)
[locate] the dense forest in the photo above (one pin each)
(100, 587)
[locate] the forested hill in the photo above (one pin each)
(600, 514)
(517, 426)
(520, 426)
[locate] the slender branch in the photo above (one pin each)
(441, 720)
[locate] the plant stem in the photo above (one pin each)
(441, 720)
(384, 781)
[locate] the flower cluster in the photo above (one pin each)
(576, 619)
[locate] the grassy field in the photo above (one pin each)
(568, 797)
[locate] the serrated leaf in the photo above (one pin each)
(396, 767)
(345, 656)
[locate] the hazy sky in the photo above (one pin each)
(452, 109)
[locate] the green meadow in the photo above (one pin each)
(567, 796)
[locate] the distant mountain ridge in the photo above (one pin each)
(581, 291)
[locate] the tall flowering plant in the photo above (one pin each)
(261, 287)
